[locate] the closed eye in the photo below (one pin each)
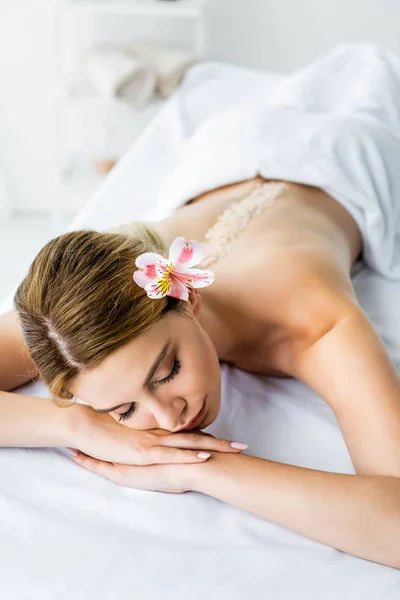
(175, 370)
(127, 414)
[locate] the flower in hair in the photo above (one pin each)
(173, 276)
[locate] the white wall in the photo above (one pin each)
(25, 76)
(282, 35)
(276, 35)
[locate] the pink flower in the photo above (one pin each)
(173, 277)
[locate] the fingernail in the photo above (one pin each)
(203, 455)
(73, 453)
(239, 445)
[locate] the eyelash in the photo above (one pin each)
(175, 370)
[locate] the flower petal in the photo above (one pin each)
(147, 267)
(185, 254)
(178, 290)
(148, 258)
(142, 278)
(199, 278)
(162, 269)
(158, 288)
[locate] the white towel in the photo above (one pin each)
(115, 73)
(334, 124)
(169, 64)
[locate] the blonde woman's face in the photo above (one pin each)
(160, 380)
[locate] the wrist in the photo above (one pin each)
(201, 474)
(76, 424)
(35, 422)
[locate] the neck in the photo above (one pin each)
(163, 229)
(220, 330)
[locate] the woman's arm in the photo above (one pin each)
(16, 366)
(30, 422)
(350, 368)
(357, 514)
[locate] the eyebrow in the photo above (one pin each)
(149, 377)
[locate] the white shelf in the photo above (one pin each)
(91, 19)
(166, 8)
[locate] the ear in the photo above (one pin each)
(195, 300)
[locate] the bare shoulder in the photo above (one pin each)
(16, 366)
(300, 296)
(308, 293)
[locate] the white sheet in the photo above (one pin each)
(68, 534)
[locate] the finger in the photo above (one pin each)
(100, 467)
(164, 455)
(125, 475)
(199, 441)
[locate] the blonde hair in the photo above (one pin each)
(79, 302)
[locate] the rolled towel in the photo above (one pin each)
(114, 72)
(169, 65)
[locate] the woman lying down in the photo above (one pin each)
(274, 204)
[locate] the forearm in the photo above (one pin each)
(27, 421)
(359, 515)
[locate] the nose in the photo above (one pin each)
(170, 413)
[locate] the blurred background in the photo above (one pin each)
(81, 79)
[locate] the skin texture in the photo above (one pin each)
(282, 304)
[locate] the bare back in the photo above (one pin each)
(290, 265)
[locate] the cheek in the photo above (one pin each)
(201, 373)
(211, 364)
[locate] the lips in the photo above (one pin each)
(197, 419)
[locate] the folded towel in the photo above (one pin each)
(169, 65)
(114, 72)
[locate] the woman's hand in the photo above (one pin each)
(103, 438)
(173, 479)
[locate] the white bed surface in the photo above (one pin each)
(66, 533)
